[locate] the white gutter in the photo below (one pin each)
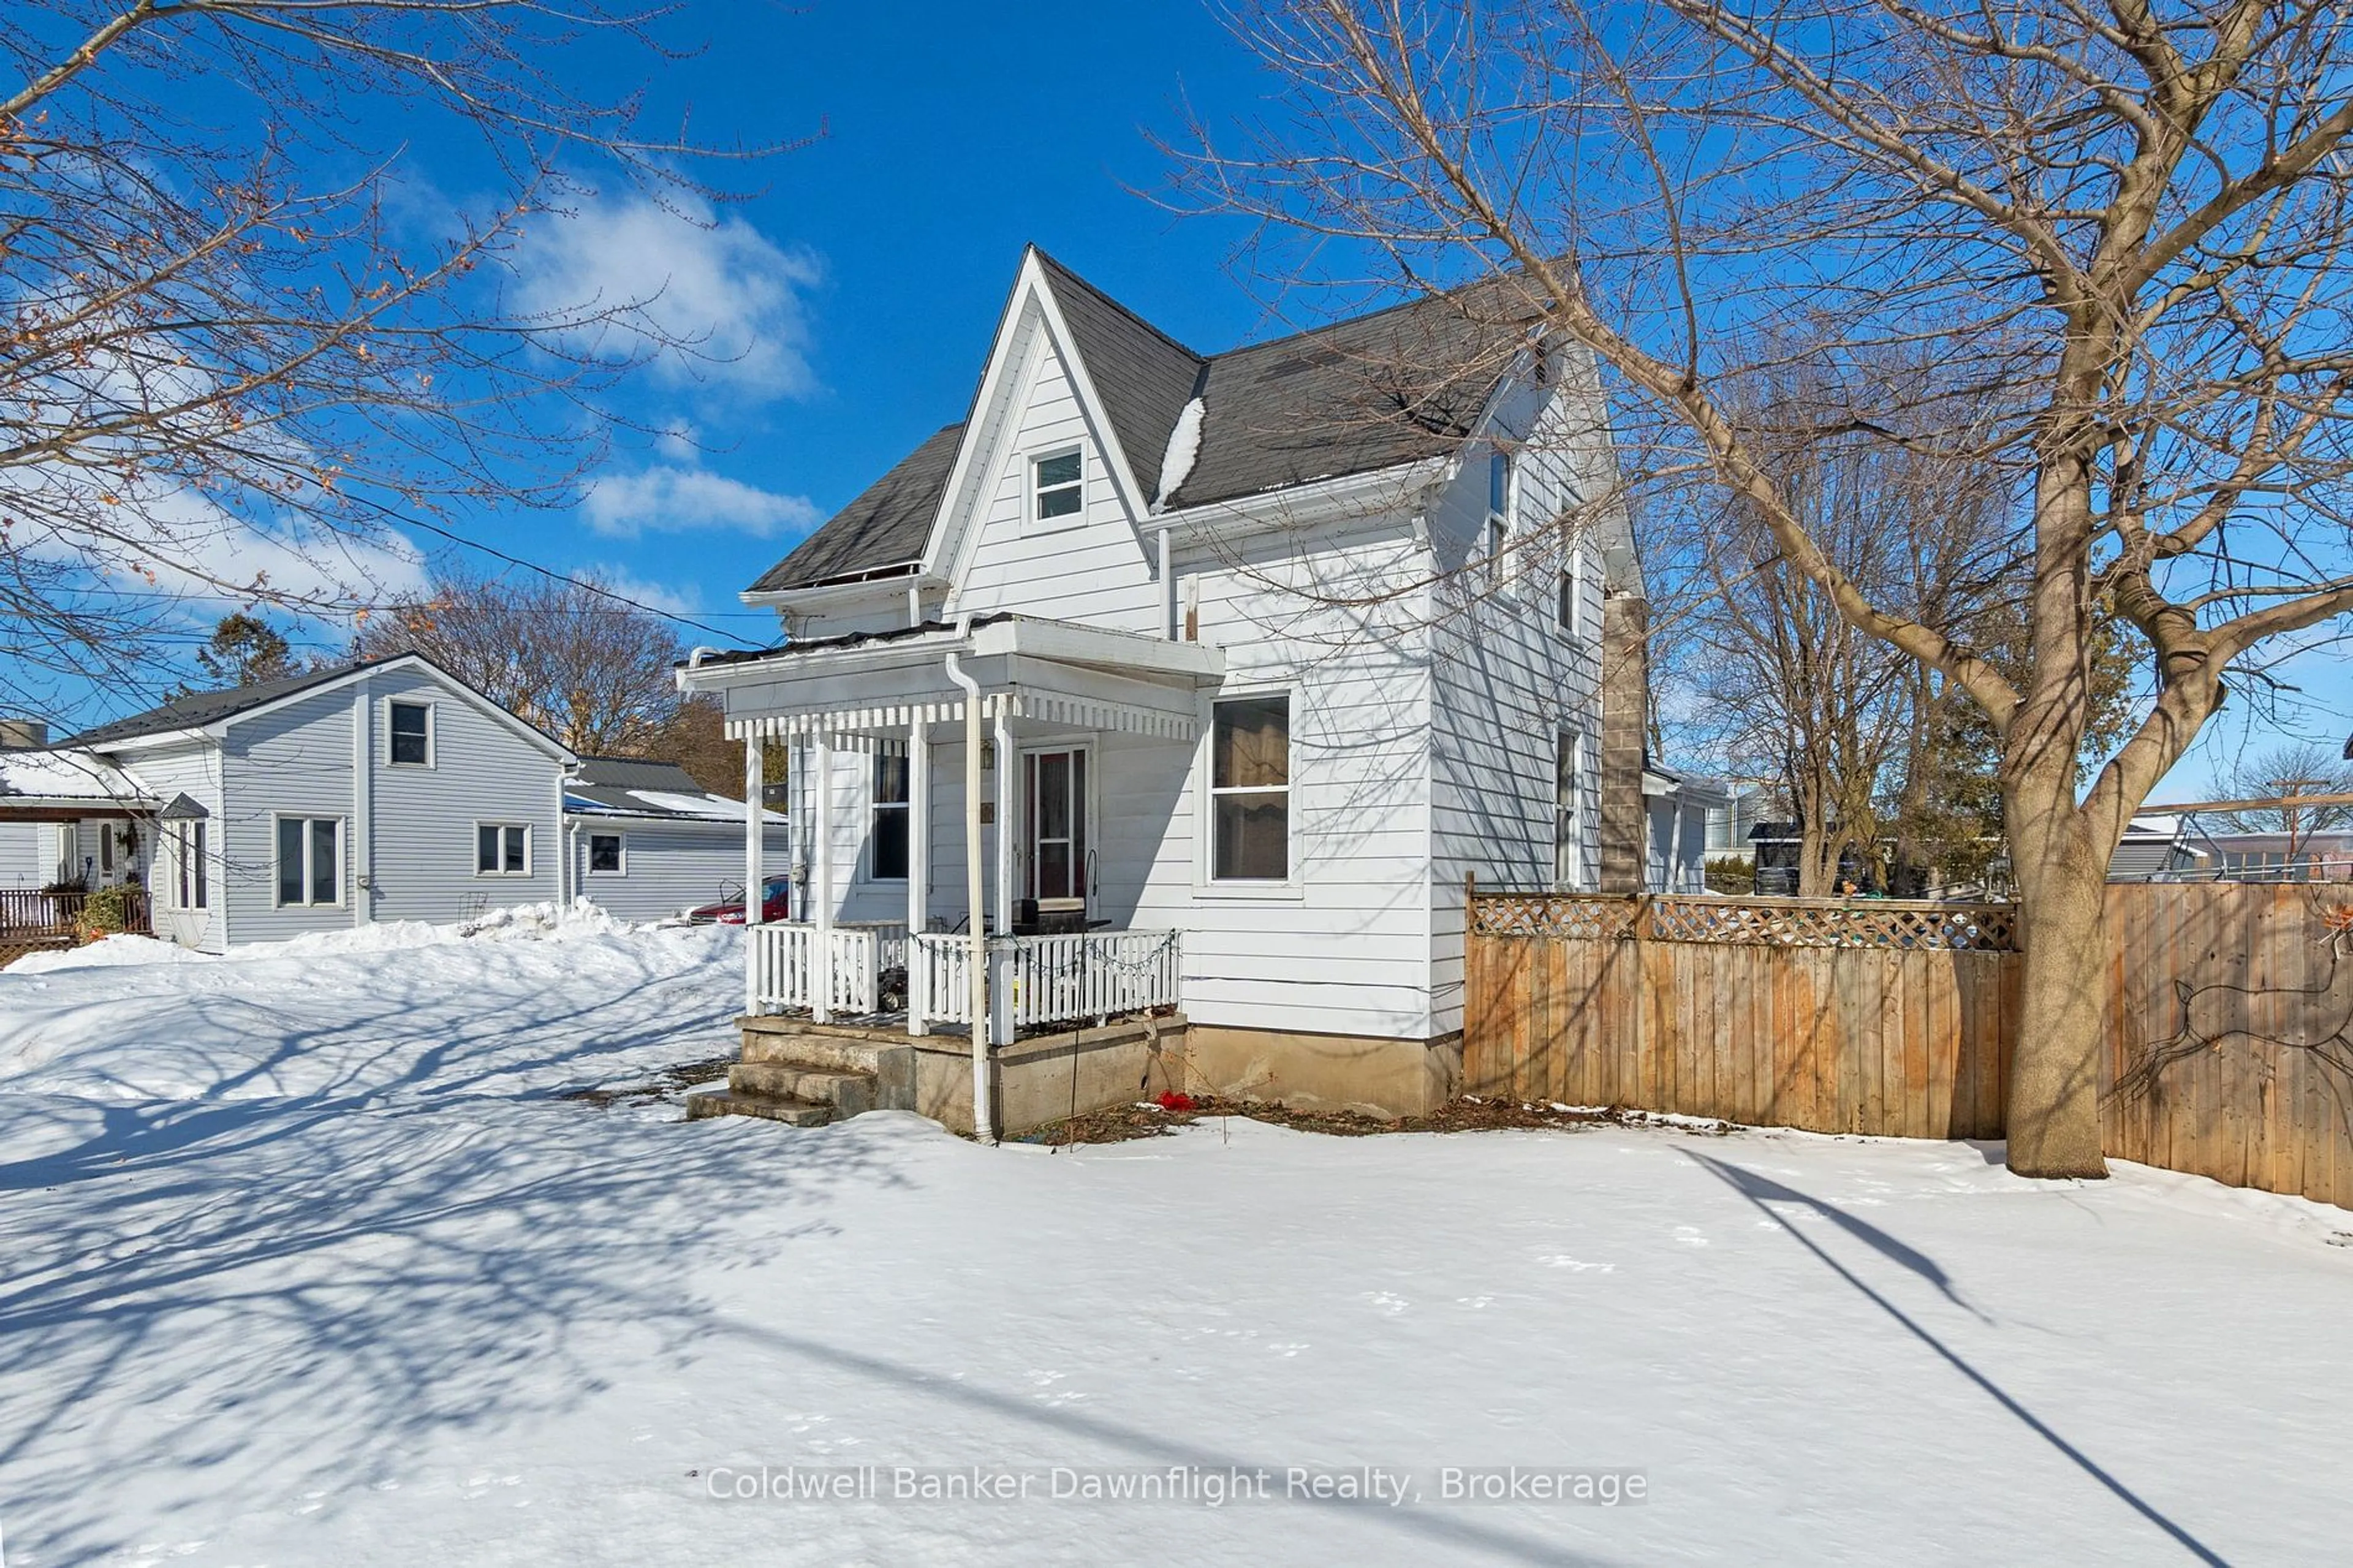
(977, 960)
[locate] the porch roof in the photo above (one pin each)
(1028, 667)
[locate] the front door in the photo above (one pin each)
(1054, 793)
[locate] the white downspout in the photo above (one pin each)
(976, 958)
(1167, 591)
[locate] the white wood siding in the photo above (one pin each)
(1508, 680)
(1093, 568)
(25, 851)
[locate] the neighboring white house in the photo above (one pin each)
(69, 820)
(1276, 649)
(385, 790)
(646, 841)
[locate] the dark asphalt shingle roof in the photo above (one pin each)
(885, 526)
(201, 707)
(636, 772)
(1390, 387)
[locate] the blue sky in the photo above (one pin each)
(870, 270)
(854, 293)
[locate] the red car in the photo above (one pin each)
(775, 905)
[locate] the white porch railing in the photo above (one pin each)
(1039, 980)
(785, 973)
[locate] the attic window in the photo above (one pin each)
(1056, 484)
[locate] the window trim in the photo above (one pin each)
(1205, 884)
(504, 825)
(875, 807)
(188, 873)
(1568, 737)
(1497, 532)
(1033, 520)
(432, 729)
(310, 874)
(588, 866)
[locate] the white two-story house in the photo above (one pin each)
(1269, 653)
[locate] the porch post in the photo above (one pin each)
(755, 841)
(919, 867)
(821, 876)
(1008, 813)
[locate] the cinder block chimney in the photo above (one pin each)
(1625, 725)
(23, 734)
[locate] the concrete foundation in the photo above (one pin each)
(1384, 1078)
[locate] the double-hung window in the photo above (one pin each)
(1569, 615)
(890, 814)
(188, 862)
(1057, 486)
(501, 849)
(1499, 514)
(1567, 817)
(410, 727)
(310, 860)
(1249, 790)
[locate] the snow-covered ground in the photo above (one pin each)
(304, 1260)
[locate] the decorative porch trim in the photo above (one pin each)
(859, 728)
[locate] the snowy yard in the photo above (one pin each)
(307, 1261)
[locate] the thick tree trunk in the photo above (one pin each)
(2054, 1075)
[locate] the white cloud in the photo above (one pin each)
(690, 276)
(674, 499)
(686, 601)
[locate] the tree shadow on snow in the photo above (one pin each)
(1763, 1192)
(231, 1297)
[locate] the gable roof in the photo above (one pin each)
(886, 527)
(1394, 387)
(198, 708)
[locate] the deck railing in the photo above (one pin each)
(785, 974)
(27, 913)
(1035, 981)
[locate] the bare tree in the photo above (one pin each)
(2124, 223)
(2285, 771)
(1785, 686)
(591, 670)
(231, 356)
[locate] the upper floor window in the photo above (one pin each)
(1570, 614)
(1057, 484)
(412, 734)
(1499, 512)
(891, 814)
(1249, 790)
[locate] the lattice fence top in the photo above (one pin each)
(1760, 923)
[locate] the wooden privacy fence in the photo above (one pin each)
(2229, 1009)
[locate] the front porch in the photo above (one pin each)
(978, 809)
(876, 971)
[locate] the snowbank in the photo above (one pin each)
(523, 920)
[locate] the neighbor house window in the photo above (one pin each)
(188, 858)
(106, 847)
(1568, 795)
(1056, 485)
(310, 860)
(604, 853)
(1249, 790)
(1570, 614)
(501, 849)
(890, 818)
(412, 734)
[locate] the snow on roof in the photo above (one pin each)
(65, 774)
(593, 800)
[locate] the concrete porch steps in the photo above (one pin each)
(766, 1107)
